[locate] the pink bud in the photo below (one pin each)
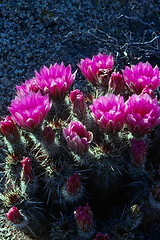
(101, 236)
(14, 216)
(48, 135)
(84, 218)
(73, 184)
(77, 137)
(116, 83)
(138, 149)
(9, 130)
(27, 173)
(78, 101)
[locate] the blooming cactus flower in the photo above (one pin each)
(77, 137)
(9, 130)
(29, 111)
(138, 150)
(73, 185)
(14, 215)
(109, 112)
(84, 218)
(48, 135)
(29, 85)
(78, 101)
(99, 65)
(101, 236)
(116, 83)
(143, 113)
(27, 169)
(55, 80)
(141, 76)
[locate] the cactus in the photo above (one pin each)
(72, 159)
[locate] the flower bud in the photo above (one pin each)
(48, 135)
(138, 150)
(27, 173)
(15, 216)
(84, 218)
(116, 83)
(101, 236)
(9, 130)
(73, 185)
(78, 101)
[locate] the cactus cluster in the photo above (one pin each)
(79, 165)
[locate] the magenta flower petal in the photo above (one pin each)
(91, 69)
(55, 80)
(29, 85)
(142, 76)
(30, 110)
(143, 113)
(109, 112)
(77, 137)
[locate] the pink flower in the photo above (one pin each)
(109, 112)
(84, 218)
(138, 150)
(142, 76)
(29, 85)
(101, 236)
(27, 169)
(55, 80)
(143, 113)
(116, 83)
(77, 137)
(15, 216)
(73, 184)
(97, 69)
(9, 130)
(48, 135)
(30, 110)
(78, 101)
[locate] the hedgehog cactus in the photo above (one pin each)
(62, 154)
